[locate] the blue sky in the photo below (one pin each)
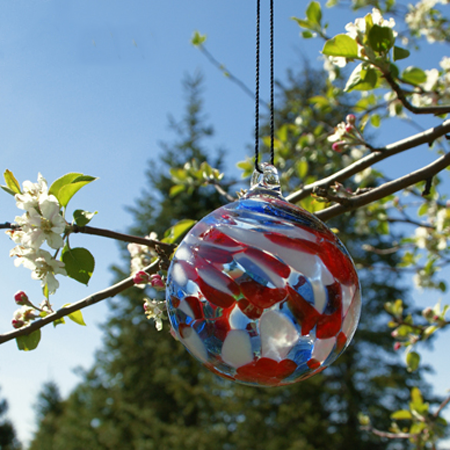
(86, 86)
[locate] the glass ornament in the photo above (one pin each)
(261, 292)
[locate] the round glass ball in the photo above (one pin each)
(262, 292)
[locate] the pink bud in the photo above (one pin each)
(394, 334)
(436, 318)
(17, 323)
(397, 346)
(349, 128)
(351, 119)
(157, 282)
(338, 146)
(428, 314)
(21, 298)
(141, 277)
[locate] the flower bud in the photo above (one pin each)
(351, 119)
(349, 128)
(157, 282)
(397, 346)
(338, 146)
(141, 277)
(428, 314)
(394, 334)
(17, 323)
(21, 298)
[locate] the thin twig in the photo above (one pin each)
(386, 189)
(441, 407)
(166, 248)
(222, 191)
(386, 434)
(232, 77)
(436, 110)
(66, 310)
(379, 154)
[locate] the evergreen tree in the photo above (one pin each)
(146, 392)
(49, 408)
(8, 439)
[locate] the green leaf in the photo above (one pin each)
(11, 182)
(362, 79)
(302, 168)
(79, 263)
(307, 34)
(198, 39)
(82, 218)
(76, 316)
(59, 322)
(174, 233)
(400, 53)
(381, 39)
(8, 190)
(304, 23)
(402, 414)
(375, 120)
(314, 13)
(67, 186)
(247, 167)
(412, 361)
(417, 427)
(29, 341)
(176, 189)
(423, 209)
(414, 75)
(341, 45)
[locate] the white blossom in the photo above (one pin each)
(423, 19)
(422, 234)
(43, 266)
(31, 192)
(42, 223)
(339, 132)
(141, 256)
(155, 309)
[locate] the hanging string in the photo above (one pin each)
(258, 39)
(257, 82)
(272, 83)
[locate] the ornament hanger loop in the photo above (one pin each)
(267, 180)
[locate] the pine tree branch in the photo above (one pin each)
(379, 154)
(109, 292)
(386, 189)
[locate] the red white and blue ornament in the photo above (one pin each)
(261, 292)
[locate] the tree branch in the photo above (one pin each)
(166, 248)
(379, 154)
(386, 189)
(232, 77)
(441, 407)
(386, 434)
(66, 310)
(437, 110)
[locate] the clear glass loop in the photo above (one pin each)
(268, 180)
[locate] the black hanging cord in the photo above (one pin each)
(258, 39)
(272, 83)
